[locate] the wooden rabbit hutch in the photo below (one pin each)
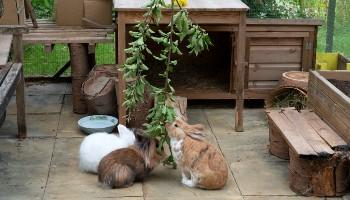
(246, 61)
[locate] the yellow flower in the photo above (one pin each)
(181, 2)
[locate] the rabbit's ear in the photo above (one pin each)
(199, 127)
(197, 135)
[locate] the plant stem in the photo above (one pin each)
(166, 84)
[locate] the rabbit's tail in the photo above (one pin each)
(117, 176)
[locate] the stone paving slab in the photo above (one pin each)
(262, 178)
(222, 120)
(37, 89)
(68, 125)
(24, 167)
(37, 125)
(38, 104)
(165, 183)
(67, 182)
(283, 198)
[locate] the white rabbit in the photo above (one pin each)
(97, 145)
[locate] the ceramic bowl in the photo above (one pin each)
(97, 123)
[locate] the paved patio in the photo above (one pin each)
(45, 166)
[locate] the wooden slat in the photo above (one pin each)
(60, 40)
(289, 34)
(279, 28)
(275, 54)
(324, 131)
(193, 5)
(305, 130)
(283, 22)
(5, 48)
(198, 17)
(3, 71)
(338, 74)
(276, 42)
(8, 87)
(329, 89)
(269, 72)
(294, 139)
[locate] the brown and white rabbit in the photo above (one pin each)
(122, 167)
(202, 165)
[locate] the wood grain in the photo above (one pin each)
(193, 5)
(295, 140)
(305, 130)
(324, 131)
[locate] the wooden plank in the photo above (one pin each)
(296, 141)
(279, 28)
(329, 89)
(251, 93)
(275, 54)
(240, 72)
(283, 22)
(310, 135)
(329, 109)
(267, 72)
(5, 48)
(339, 75)
(12, 29)
(288, 34)
(3, 71)
(197, 17)
(58, 40)
(66, 34)
(324, 131)
(7, 88)
(193, 5)
(276, 42)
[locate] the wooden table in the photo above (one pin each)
(213, 15)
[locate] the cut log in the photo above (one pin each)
(99, 90)
(278, 147)
(80, 70)
(295, 79)
(139, 115)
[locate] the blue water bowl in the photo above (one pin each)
(97, 123)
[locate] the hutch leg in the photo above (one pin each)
(121, 58)
(20, 101)
(240, 73)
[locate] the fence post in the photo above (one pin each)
(330, 25)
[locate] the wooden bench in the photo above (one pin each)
(319, 158)
(11, 80)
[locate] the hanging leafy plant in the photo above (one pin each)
(180, 29)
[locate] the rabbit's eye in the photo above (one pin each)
(176, 125)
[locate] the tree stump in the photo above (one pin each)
(295, 79)
(278, 147)
(80, 70)
(319, 177)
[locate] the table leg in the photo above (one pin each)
(240, 73)
(20, 101)
(121, 44)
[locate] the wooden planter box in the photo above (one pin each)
(331, 104)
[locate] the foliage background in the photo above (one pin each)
(40, 64)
